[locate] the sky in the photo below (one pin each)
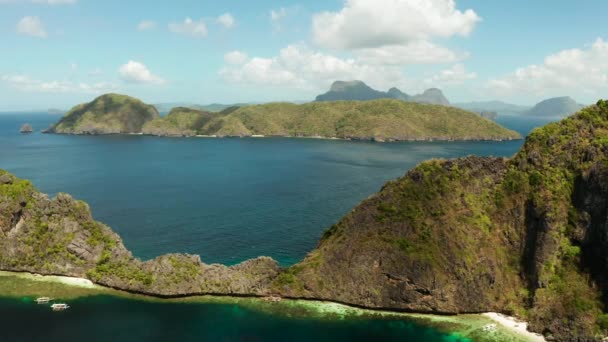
(58, 53)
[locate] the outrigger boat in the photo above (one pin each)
(60, 307)
(43, 300)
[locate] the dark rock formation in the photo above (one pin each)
(59, 236)
(26, 128)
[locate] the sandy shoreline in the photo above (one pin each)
(511, 323)
(70, 281)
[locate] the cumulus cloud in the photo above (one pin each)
(25, 83)
(189, 27)
(137, 72)
(146, 25)
(300, 67)
(418, 52)
(567, 72)
(31, 26)
(235, 58)
(370, 24)
(455, 75)
(226, 20)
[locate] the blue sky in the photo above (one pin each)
(56, 53)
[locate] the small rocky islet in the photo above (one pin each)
(522, 236)
(26, 129)
(378, 120)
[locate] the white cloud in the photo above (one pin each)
(418, 52)
(226, 20)
(31, 26)
(25, 83)
(190, 27)
(137, 72)
(300, 67)
(235, 58)
(455, 75)
(146, 25)
(95, 72)
(573, 71)
(378, 23)
(277, 16)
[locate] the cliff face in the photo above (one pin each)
(107, 114)
(525, 236)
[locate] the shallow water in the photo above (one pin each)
(107, 315)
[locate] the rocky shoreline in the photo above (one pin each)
(259, 136)
(467, 325)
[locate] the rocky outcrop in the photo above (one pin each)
(59, 236)
(26, 128)
(525, 236)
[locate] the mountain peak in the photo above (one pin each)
(359, 91)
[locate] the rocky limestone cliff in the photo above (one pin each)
(59, 236)
(525, 236)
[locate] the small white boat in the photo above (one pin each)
(43, 300)
(489, 327)
(60, 307)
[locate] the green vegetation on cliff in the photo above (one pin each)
(181, 121)
(383, 119)
(107, 114)
(524, 236)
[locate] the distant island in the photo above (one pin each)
(492, 106)
(359, 91)
(213, 107)
(558, 107)
(379, 120)
(523, 236)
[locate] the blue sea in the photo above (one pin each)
(226, 200)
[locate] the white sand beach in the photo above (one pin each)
(514, 325)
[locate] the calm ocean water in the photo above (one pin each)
(225, 199)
